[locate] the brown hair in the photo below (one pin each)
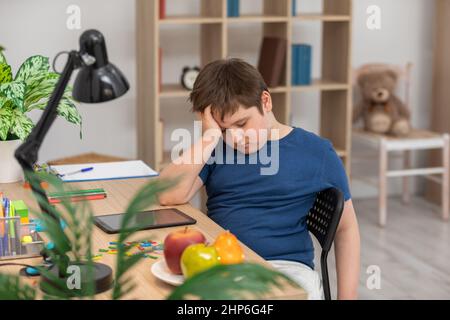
(225, 85)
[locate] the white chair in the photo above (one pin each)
(416, 140)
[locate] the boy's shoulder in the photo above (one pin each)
(311, 140)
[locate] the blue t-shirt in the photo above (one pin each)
(265, 202)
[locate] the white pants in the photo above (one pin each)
(306, 277)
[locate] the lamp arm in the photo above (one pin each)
(27, 153)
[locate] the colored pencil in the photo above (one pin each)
(78, 198)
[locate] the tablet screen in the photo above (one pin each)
(161, 218)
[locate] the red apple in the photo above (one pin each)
(176, 242)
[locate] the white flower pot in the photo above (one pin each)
(10, 170)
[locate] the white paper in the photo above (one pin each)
(106, 171)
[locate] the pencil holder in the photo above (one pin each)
(19, 240)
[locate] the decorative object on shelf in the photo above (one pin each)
(272, 60)
(381, 110)
(233, 8)
(189, 76)
(28, 90)
(301, 64)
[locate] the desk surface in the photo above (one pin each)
(120, 192)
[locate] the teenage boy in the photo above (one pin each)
(264, 204)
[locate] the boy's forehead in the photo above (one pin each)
(229, 118)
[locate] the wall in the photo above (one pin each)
(30, 27)
(33, 27)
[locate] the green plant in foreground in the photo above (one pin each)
(231, 282)
(73, 244)
(29, 90)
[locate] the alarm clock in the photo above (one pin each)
(188, 77)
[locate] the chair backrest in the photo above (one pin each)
(322, 221)
(324, 216)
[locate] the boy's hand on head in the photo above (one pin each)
(210, 127)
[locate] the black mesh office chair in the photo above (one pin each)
(322, 221)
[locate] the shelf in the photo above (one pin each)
(278, 90)
(257, 19)
(341, 153)
(322, 17)
(173, 91)
(166, 157)
(253, 18)
(322, 85)
(177, 91)
(175, 20)
(218, 33)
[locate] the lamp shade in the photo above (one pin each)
(98, 80)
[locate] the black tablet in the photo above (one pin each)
(153, 219)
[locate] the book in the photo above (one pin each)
(162, 9)
(106, 171)
(233, 8)
(295, 59)
(272, 59)
(301, 64)
(294, 8)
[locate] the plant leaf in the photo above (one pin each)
(21, 125)
(32, 68)
(2, 58)
(14, 91)
(5, 121)
(229, 282)
(68, 111)
(12, 289)
(5, 73)
(38, 96)
(40, 89)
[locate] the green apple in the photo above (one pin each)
(197, 258)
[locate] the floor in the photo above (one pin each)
(412, 252)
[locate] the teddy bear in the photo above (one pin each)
(381, 110)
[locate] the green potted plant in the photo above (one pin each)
(28, 90)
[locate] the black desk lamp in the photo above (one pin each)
(97, 81)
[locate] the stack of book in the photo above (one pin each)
(233, 8)
(301, 64)
(76, 195)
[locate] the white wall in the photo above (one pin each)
(29, 27)
(32, 27)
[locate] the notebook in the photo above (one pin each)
(105, 171)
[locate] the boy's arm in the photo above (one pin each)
(187, 167)
(347, 251)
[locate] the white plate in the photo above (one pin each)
(162, 272)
